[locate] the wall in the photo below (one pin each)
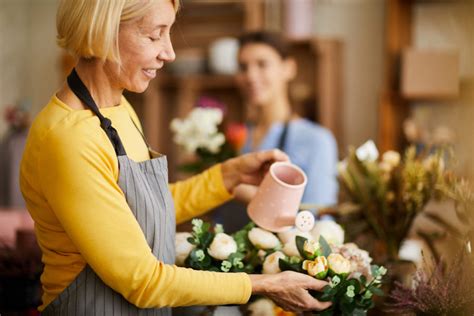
(360, 24)
(28, 53)
(449, 25)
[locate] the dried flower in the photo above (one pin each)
(438, 291)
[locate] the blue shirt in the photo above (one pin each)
(311, 147)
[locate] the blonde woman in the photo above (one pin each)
(104, 214)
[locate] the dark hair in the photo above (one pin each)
(272, 39)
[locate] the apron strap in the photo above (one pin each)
(80, 90)
(282, 140)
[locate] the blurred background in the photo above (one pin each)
(398, 72)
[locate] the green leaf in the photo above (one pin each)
(287, 266)
(326, 249)
(376, 291)
(300, 246)
(206, 239)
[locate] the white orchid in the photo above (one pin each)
(222, 246)
(271, 263)
(367, 152)
(263, 239)
(330, 230)
(183, 247)
(199, 130)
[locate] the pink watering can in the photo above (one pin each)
(275, 206)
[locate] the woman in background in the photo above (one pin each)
(265, 71)
(104, 214)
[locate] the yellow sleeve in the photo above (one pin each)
(78, 173)
(199, 194)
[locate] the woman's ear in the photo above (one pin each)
(291, 68)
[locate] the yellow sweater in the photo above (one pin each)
(68, 177)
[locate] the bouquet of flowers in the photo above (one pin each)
(320, 253)
(200, 136)
(383, 196)
(352, 280)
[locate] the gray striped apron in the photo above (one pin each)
(145, 186)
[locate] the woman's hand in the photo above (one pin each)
(289, 290)
(249, 168)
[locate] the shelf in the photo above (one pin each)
(204, 81)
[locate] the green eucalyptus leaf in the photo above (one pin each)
(376, 291)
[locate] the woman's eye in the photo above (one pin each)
(153, 39)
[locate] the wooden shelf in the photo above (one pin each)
(204, 81)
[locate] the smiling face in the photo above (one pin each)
(263, 75)
(144, 46)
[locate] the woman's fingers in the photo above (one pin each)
(310, 303)
(272, 155)
(315, 284)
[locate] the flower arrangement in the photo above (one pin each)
(200, 136)
(352, 280)
(383, 196)
(446, 288)
(320, 253)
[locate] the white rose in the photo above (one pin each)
(317, 268)
(222, 246)
(271, 264)
(312, 248)
(331, 231)
(338, 265)
(263, 239)
(367, 152)
(262, 307)
(291, 250)
(391, 157)
(183, 247)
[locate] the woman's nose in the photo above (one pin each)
(167, 53)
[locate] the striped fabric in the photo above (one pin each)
(145, 186)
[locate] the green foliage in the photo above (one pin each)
(244, 260)
(350, 296)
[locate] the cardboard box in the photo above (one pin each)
(430, 74)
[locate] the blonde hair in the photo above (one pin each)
(89, 28)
